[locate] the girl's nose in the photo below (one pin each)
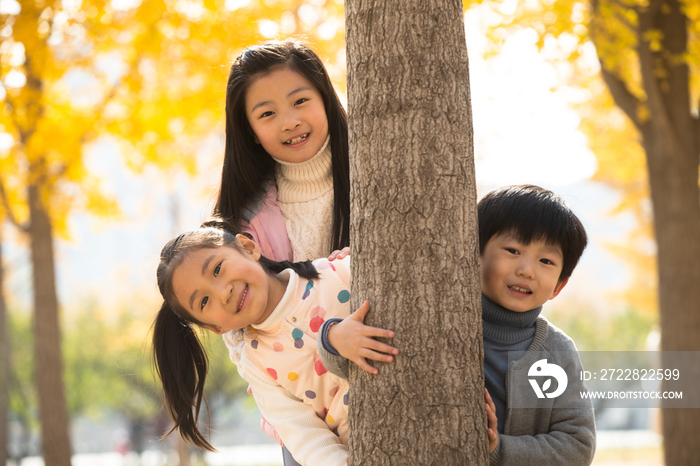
(291, 121)
(226, 293)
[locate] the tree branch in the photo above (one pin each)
(622, 96)
(8, 209)
(623, 19)
(655, 98)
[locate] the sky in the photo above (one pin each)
(525, 132)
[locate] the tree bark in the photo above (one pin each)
(414, 234)
(673, 156)
(53, 413)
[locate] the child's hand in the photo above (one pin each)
(353, 340)
(492, 422)
(339, 254)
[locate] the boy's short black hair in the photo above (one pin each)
(532, 213)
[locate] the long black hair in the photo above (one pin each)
(247, 168)
(179, 357)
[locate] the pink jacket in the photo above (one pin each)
(268, 229)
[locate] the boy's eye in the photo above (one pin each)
(511, 250)
(204, 302)
(547, 261)
(216, 270)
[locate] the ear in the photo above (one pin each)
(252, 133)
(560, 286)
(215, 328)
(249, 246)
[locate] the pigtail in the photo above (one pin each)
(303, 269)
(181, 364)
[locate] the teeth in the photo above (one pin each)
(297, 140)
(521, 290)
(245, 293)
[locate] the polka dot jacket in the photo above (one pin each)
(304, 402)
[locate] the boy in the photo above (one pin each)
(529, 244)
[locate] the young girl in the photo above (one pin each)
(285, 178)
(222, 283)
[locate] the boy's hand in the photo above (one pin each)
(339, 254)
(492, 422)
(354, 340)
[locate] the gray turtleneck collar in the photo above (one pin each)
(506, 326)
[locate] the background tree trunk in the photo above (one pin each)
(674, 191)
(53, 413)
(670, 140)
(414, 234)
(4, 363)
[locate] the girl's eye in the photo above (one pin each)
(300, 101)
(266, 114)
(204, 302)
(216, 270)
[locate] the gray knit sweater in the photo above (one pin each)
(560, 431)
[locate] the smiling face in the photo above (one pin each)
(520, 277)
(226, 289)
(287, 115)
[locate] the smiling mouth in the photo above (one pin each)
(298, 139)
(520, 290)
(245, 293)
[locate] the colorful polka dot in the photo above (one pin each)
(320, 369)
(330, 419)
(272, 372)
(333, 391)
(254, 344)
(344, 296)
(293, 376)
(310, 394)
(318, 311)
(277, 346)
(316, 323)
(298, 338)
(346, 398)
(323, 265)
(307, 291)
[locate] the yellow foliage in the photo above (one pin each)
(151, 77)
(613, 28)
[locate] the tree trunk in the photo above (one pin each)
(49, 375)
(4, 363)
(674, 191)
(670, 136)
(183, 451)
(414, 234)
(673, 155)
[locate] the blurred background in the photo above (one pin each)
(112, 115)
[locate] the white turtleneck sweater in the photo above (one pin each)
(305, 199)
